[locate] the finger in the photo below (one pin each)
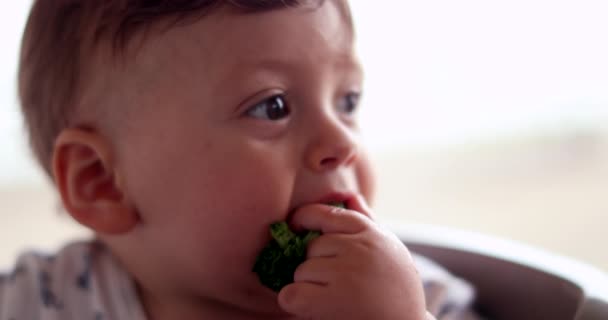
(329, 245)
(359, 204)
(317, 270)
(299, 298)
(328, 219)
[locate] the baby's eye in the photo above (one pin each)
(273, 108)
(349, 102)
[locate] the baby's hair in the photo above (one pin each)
(61, 37)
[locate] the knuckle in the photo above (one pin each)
(295, 301)
(314, 246)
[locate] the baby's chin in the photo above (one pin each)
(258, 299)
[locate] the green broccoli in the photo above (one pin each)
(278, 261)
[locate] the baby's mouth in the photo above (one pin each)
(337, 199)
(339, 204)
(275, 265)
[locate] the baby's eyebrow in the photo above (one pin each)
(270, 64)
(249, 66)
(344, 64)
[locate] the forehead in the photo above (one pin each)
(229, 40)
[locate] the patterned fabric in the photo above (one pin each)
(83, 281)
(447, 297)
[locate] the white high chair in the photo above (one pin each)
(514, 281)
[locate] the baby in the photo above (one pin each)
(178, 131)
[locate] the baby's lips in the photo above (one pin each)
(339, 199)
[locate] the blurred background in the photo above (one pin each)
(480, 115)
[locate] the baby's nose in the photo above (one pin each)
(334, 144)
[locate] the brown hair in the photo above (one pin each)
(61, 34)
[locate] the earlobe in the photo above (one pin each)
(89, 185)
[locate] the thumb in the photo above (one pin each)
(359, 204)
(328, 219)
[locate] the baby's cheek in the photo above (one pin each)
(366, 178)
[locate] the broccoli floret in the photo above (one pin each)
(278, 261)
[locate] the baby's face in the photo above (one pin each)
(240, 119)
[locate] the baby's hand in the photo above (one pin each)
(354, 270)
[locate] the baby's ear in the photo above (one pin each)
(89, 186)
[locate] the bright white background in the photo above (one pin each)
(448, 71)
(482, 115)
